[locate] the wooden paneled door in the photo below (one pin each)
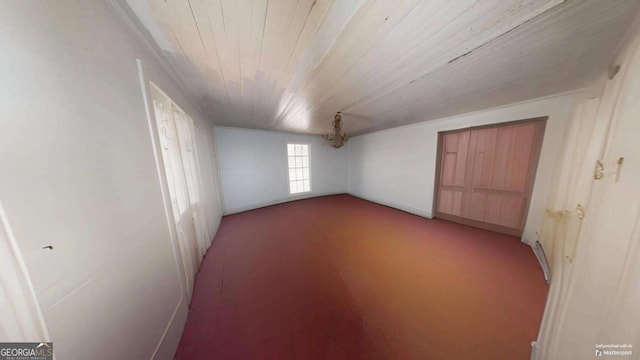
(485, 174)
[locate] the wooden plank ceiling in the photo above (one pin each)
(291, 64)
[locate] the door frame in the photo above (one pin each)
(23, 317)
(537, 150)
(162, 177)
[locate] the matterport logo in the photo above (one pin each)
(625, 350)
(26, 351)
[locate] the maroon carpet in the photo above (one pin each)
(338, 277)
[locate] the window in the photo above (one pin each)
(299, 178)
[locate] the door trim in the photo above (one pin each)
(147, 98)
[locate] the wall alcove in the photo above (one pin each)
(485, 175)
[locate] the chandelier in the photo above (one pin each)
(338, 138)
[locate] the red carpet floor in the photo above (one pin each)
(338, 277)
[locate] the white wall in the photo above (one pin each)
(253, 167)
(396, 167)
(78, 173)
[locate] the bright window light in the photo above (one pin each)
(299, 177)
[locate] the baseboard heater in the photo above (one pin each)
(542, 259)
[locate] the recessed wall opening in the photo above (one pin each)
(485, 175)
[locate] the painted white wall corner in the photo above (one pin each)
(254, 172)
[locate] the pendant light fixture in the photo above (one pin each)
(338, 137)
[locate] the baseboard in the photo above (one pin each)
(170, 339)
(276, 202)
(397, 206)
(538, 250)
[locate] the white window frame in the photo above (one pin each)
(289, 180)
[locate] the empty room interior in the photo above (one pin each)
(320, 179)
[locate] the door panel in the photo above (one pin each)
(505, 210)
(475, 205)
(450, 202)
(178, 191)
(456, 147)
(185, 132)
(513, 148)
(484, 141)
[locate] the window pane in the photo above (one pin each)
(298, 168)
